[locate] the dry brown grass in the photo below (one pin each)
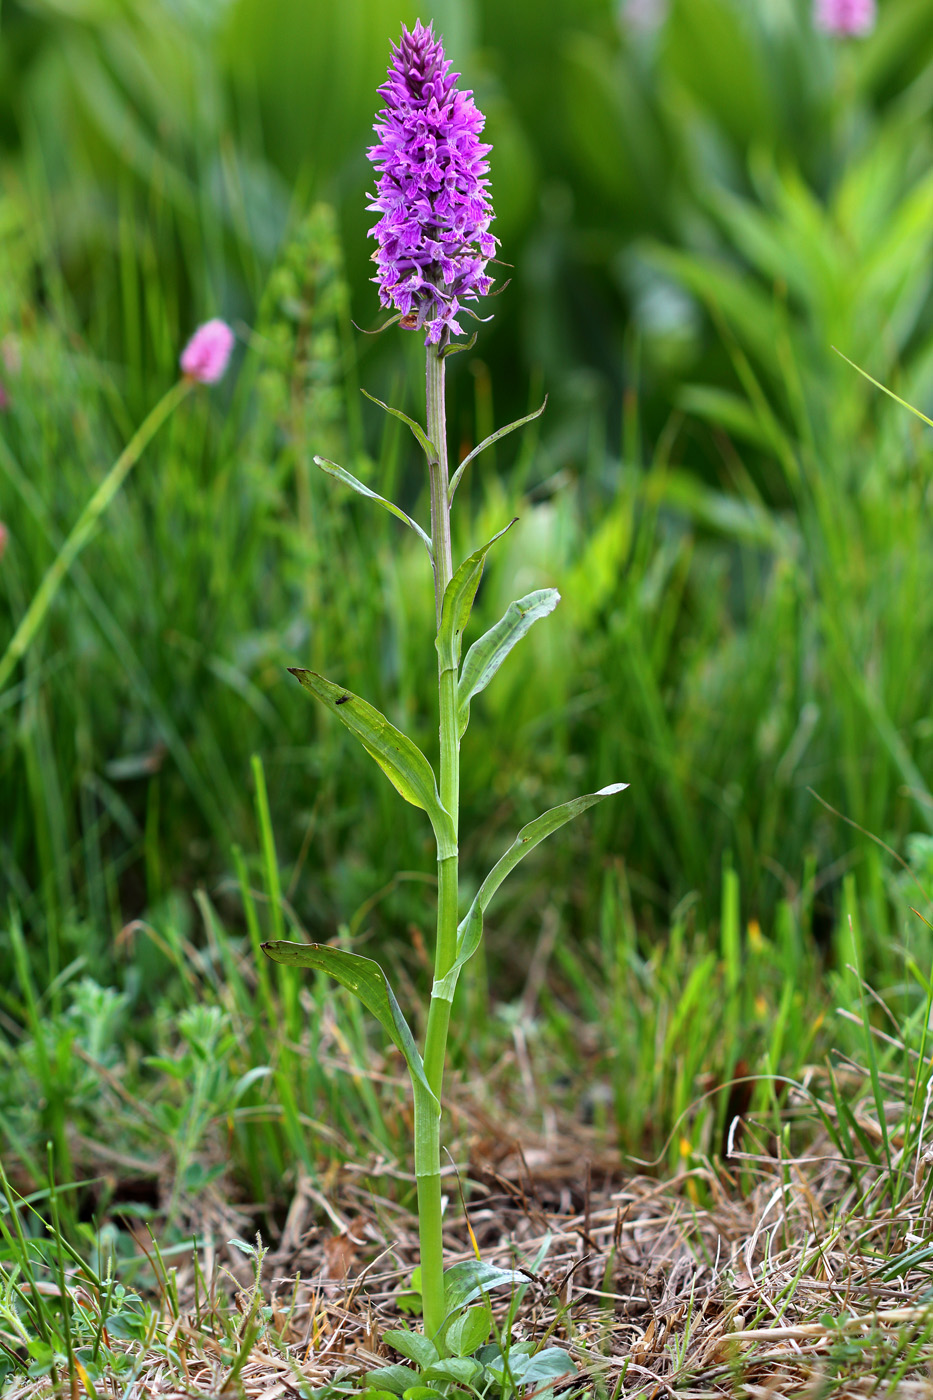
(768, 1276)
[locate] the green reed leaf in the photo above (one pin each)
(470, 930)
(458, 602)
(488, 653)
(401, 760)
(341, 474)
(366, 980)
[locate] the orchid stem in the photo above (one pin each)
(435, 1049)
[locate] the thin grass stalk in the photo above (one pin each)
(84, 527)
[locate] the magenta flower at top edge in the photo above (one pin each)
(433, 237)
(845, 16)
(207, 354)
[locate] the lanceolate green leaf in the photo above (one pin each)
(488, 653)
(402, 761)
(470, 930)
(488, 442)
(341, 473)
(458, 600)
(366, 980)
(424, 442)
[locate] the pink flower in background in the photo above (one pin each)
(207, 354)
(4, 536)
(845, 16)
(4, 399)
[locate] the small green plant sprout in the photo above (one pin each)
(433, 248)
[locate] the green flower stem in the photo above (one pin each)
(85, 526)
(428, 1173)
(430, 1217)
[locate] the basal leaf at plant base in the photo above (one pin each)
(469, 1331)
(467, 1280)
(414, 1346)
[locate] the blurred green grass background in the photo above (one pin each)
(694, 213)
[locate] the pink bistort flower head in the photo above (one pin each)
(845, 16)
(433, 237)
(207, 354)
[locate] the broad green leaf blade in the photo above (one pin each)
(414, 1346)
(341, 474)
(460, 1370)
(391, 1380)
(469, 1331)
(424, 442)
(367, 981)
(470, 930)
(458, 600)
(486, 655)
(549, 1365)
(488, 442)
(465, 1281)
(402, 761)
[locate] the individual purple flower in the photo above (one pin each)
(845, 16)
(433, 238)
(207, 354)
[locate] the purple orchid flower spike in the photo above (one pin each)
(433, 192)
